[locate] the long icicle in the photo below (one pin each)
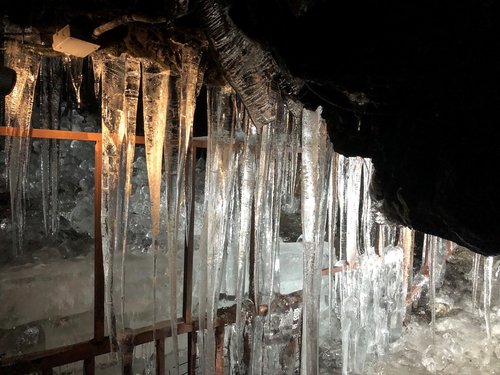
(113, 130)
(50, 94)
(18, 110)
(488, 276)
(247, 188)
(316, 161)
(155, 93)
(332, 234)
(220, 180)
(132, 84)
(476, 262)
(179, 140)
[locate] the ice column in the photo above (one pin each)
(219, 180)
(488, 276)
(246, 199)
(268, 194)
(316, 161)
(475, 278)
(267, 207)
(177, 145)
(50, 107)
(155, 93)
(18, 109)
(120, 88)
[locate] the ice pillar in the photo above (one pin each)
(18, 110)
(316, 160)
(155, 94)
(120, 89)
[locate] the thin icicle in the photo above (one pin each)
(291, 203)
(50, 94)
(18, 110)
(332, 203)
(431, 249)
(247, 188)
(488, 277)
(476, 262)
(367, 221)
(76, 77)
(220, 179)
(316, 161)
(352, 205)
(342, 165)
(155, 94)
(178, 141)
(268, 194)
(97, 65)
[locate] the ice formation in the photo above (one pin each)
(18, 109)
(334, 302)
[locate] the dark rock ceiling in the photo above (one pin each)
(413, 85)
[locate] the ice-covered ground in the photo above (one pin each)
(459, 343)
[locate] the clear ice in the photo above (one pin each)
(299, 309)
(316, 161)
(155, 96)
(50, 112)
(120, 92)
(18, 110)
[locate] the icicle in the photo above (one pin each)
(488, 276)
(342, 165)
(155, 93)
(50, 94)
(124, 189)
(431, 246)
(177, 144)
(247, 188)
(316, 159)
(291, 204)
(367, 221)
(476, 262)
(268, 194)
(114, 133)
(353, 201)
(332, 203)
(97, 65)
(18, 109)
(76, 77)
(219, 182)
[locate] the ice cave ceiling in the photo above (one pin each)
(413, 85)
